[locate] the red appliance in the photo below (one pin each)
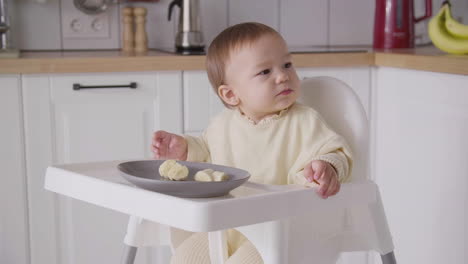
(394, 23)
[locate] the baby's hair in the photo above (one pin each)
(230, 39)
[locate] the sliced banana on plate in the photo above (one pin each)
(204, 175)
(172, 170)
(208, 175)
(219, 176)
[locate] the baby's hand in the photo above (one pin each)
(169, 146)
(323, 173)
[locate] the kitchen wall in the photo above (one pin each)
(320, 22)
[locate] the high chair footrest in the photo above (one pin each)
(388, 258)
(129, 254)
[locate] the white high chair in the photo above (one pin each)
(321, 234)
(287, 224)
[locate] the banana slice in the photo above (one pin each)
(204, 175)
(219, 176)
(208, 175)
(172, 170)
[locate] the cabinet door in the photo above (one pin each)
(71, 126)
(201, 102)
(13, 204)
(421, 150)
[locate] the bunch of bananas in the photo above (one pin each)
(447, 33)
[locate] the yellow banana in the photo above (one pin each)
(442, 39)
(453, 26)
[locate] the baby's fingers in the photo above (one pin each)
(160, 136)
(156, 151)
(333, 188)
(308, 173)
(160, 149)
(318, 169)
(337, 189)
(324, 185)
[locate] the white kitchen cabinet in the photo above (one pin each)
(200, 101)
(14, 247)
(420, 149)
(63, 125)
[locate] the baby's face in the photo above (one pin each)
(263, 77)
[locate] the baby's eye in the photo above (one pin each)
(264, 72)
(288, 65)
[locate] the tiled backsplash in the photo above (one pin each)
(301, 22)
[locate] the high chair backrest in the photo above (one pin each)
(341, 108)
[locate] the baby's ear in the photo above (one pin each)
(227, 95)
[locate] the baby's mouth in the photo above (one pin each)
(286, 91)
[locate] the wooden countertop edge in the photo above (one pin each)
(443, 64)
(434, 63)
(162, 63)
(105, 64)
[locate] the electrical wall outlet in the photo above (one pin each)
(83, 31)
(85, 27)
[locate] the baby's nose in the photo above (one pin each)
(282, 77)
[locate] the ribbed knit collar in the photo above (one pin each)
(265, 120)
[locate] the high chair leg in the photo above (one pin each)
(217, 242)
(388, 258)
(129, 254)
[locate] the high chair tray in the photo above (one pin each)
(100, 183)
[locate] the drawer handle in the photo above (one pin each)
(77, 86)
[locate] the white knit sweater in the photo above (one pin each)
(274, 151)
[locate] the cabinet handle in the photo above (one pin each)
(77, 86)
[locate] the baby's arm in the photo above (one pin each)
(330, 165)
(327, 170)
(198, 149)
(325, 156)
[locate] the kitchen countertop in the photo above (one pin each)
(426, 58)
(422, 58)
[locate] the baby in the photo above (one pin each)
(262, 130)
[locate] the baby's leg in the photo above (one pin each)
(245, 254)
(193, 250)
(178, 236)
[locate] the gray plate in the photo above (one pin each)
(145, 174)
